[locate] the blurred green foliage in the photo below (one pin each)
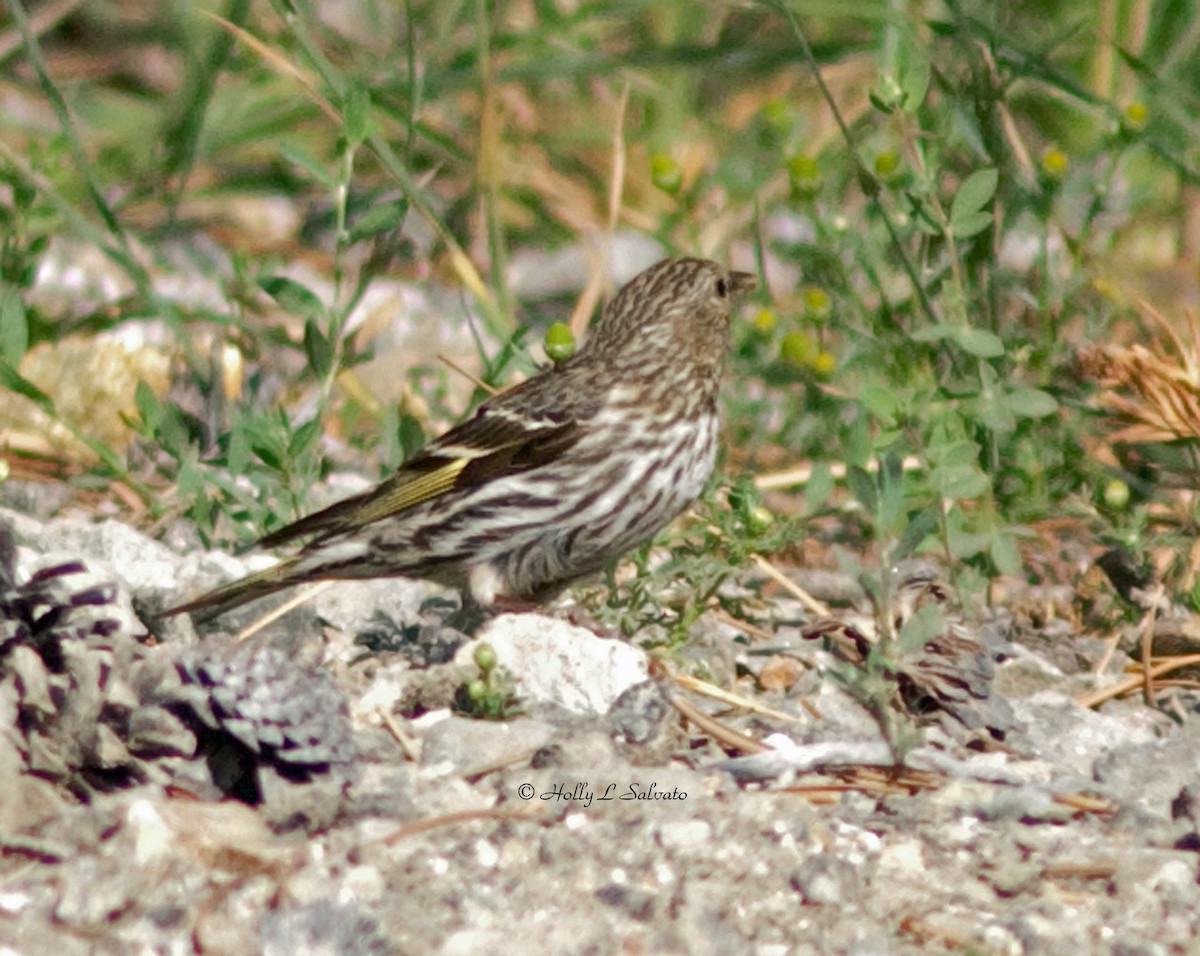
(958, 205)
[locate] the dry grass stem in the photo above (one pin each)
(818, 608)
(715, 729)
(705, 689)
(300, 597)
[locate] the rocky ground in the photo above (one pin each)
(318, 788)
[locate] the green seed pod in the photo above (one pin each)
(1116, 494)
(887, 162)
(559, 343)
(798, 348)
(778, 115)
(823, 363)
(816, 304)
(1133, 117)
(764, 322)
(485, 657)
(758, 519)
(804, 176)
(665, 173)
(1055, 164)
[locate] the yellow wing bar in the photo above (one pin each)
(411, 492)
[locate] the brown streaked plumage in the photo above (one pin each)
(552, 479)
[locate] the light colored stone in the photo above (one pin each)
(556, 663)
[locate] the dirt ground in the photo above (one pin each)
(315, 789)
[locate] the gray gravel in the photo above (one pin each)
(592, 819)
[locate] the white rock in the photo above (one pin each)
(554, 662)
(684, 834)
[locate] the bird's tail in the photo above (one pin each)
(250, 588)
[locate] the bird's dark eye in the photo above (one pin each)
(722, 288)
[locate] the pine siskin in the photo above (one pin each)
(552, 479)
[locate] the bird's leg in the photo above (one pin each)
(470, 616)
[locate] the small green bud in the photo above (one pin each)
(887, 162)
(758, 519)
(798, 348)
(804, 175)
(559, 342)
(823, 364)
(485, 657)
(888, 93)
(477, 690)
(665, 173)
(777, 114)
(1133, 118)
(1055, 163)
(764, 322)
(816, 303)
(1116, 494)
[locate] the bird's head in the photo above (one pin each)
(676, 307)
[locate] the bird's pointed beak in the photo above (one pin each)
(742, 283)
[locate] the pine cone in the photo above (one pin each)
(951, 672)
(255, 709)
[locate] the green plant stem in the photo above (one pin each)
(868, 180)
(487, 161)
(181, 134)
(498, 321)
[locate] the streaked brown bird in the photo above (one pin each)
(552, 479)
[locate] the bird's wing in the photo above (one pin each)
(499, 439)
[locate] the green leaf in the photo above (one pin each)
(965, 544)
(292, 296)
(172, 432)
(970, 224)
(238, 454)
(819, 488)
(890, 514)
(383, 217)
(920, 526)
(1030, 402)
(11, 379)
(201, 512)
(935, 333)
(148, 407)
(887, 437)
(967, 216)
(881, 402)
(862, 486)
(857, 441)
(924, 625)
(1005, 554)
(318, 349)
(991, 413)
(946, 450)
(188, 481)
(914, 84)
(976, 191)
(298, 156)
(979, 342)
(263, 437)
(302, 438)
(269, 455)
(356, 112)
(879, 104)
(410, 435)
(14, 325)
(959, 481)
(110, 458)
